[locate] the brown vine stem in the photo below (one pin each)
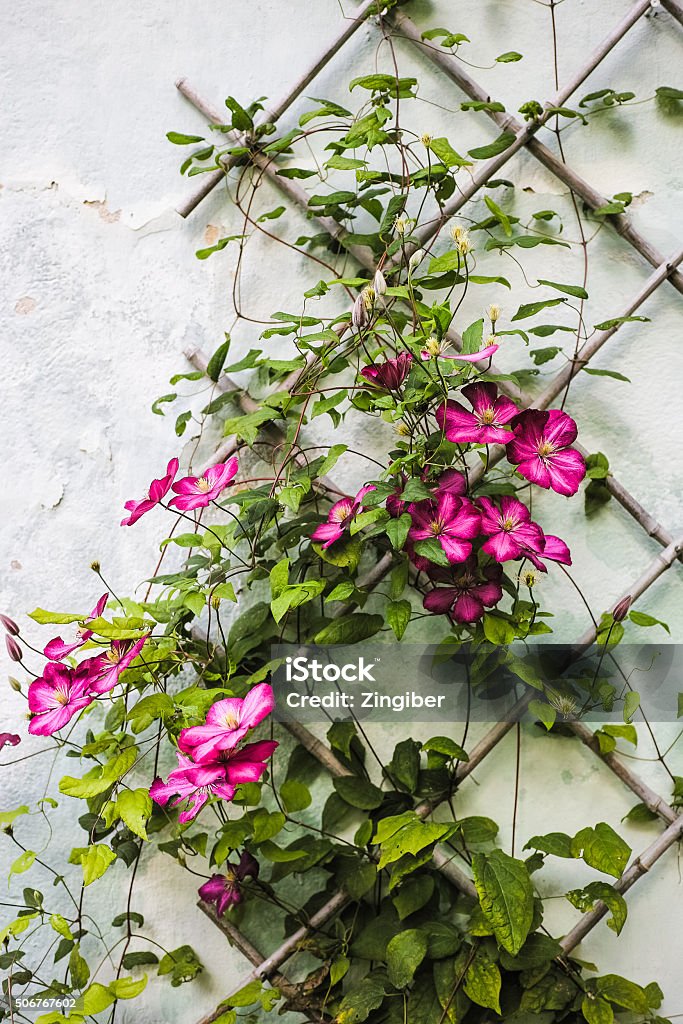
(454, 70)
(213, 178)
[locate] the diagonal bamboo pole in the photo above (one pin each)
(272, 115)
(454, 70)
(675, 9)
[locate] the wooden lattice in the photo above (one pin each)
(401, 27)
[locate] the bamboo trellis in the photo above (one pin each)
(665, 270)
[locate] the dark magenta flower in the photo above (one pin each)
(59, 648)
(485, 424)
(451, 520)
(158, 489)
(227, 722)
(57, 696)
(226, 890)
(540, 450)
(391, 373)
(510, 529)
(197, 491)
(340, 517)
(467, 591)
(9, 739)
(105, 669)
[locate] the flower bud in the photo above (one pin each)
(379, 283)
(415, 260)
(14, 683)
(400, 225)
(10, 625)
(621, 608)
(359, 313)
(13, 649)
(215, 601)
(494, 313)
(95, 566)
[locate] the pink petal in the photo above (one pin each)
(467, 609)
(480, 395)
(560, 428)
(454, 549)
(489, 593)
(556, 550)
(505, 409)
(535, 470)
(57, 649)
(566, 470)
(440, 600)
(258, 704)
(502, 546)
(475, 357)
(328, 532)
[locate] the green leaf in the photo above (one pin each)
(99, 779)
(295, 796)
(641, 619)
(446, 746)
(398, 616)
(506, 897)
(178, 139)
(602, 848)
(432, 550)
(503, 142)
(595, 1010)
(498, 630)
(413, 895)
(623, 993)
(616, 321)
(360, 1001)
(135, 808)
(397, 530)
(95, 999)
(531, 308)
(482, 983)
(59, 925)
(94, 860)
(571, 289)
(631, 705)
(500, 215)
(23, 862)
(556, 843)
(404, 766)
(405, 953)
(9, 817)
(358, 792)
(606, 373)
(217, 360)
(55, 618)
(350, 629)
(585, 899)
(443, 150)
(508, 58)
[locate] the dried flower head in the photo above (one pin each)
(564, 703)
(426, 139)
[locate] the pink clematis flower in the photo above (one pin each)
(540, 450)
(486, 424)
(105, 669)
(553, 548)
(391, 373)
(196, 783)
(227, 722)
(459, 357)
(467, 593)
(59, 648)
(510, 529)
(9, 739)
(451, 481)
(226, 890)
(340, 517)
(197, 491)
(451, 520)
(56, 697)
(158, 489)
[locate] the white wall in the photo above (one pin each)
(101, 292)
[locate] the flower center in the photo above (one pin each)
(113, 657)
(203, 484)
(230, 720)
(509, 523)
(487, 416)
(436, 527)
(341, 513)
(61, 696)
(546, 448)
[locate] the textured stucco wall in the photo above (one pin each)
(101, 292)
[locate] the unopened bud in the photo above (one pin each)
(215, 601)
(621, 608)
(494, 313)
(359, 313)
(10, 625)
(379, 283)
(14, 683)
(415, 260)
(95, 566)
(426, 139)
(13, 648)
(400, 225)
